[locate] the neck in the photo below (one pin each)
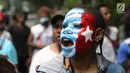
(106, 21)
(59, 46)
(84, 64)
(45, 25)
(56, 48)
(20, 24)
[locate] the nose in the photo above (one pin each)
(109, 15)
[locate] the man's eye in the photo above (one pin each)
(64, 26)
(77, 26)
(106, 13)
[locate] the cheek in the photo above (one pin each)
(108, 16)
(54, 32)
(81, 45)
(21, 19)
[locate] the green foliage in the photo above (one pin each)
(127, 2)
(71, 3)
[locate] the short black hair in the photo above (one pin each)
(20, 13)
(100, 22)
(56, 18)
(102, 5)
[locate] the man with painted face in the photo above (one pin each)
(82, 31)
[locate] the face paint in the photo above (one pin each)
(77, 32)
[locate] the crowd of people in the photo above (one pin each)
(79, 41)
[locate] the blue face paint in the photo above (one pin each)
(70, 29)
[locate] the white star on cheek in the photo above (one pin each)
(88, 34)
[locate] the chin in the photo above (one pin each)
(68, 51)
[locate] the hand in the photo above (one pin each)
(28, 62)
(39, 46)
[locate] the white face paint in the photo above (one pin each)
(88, 34)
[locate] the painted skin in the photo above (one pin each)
(77, 33)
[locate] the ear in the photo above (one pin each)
(99, 34)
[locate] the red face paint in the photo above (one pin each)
(86, 35)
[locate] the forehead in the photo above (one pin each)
(104, 9)
(74, 15)
(20, 15)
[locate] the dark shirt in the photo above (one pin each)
(19, 38)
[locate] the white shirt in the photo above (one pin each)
(47, 35)
(113, 32)
(108, 50)
(107, 47)
(41, 57)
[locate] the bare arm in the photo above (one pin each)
(30, 44)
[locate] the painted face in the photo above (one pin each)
(77, 32)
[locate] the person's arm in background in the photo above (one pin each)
(30, 45)
(122, 53)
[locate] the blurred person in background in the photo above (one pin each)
(6, 46)
(44, 11)
(51, 50)
(123, 54)
(6, 66)
(8, 49)
(20, 33)
(4, 32)
(41, 33)
(110, 38)
(110, 31)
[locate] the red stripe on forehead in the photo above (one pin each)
(88, 19)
